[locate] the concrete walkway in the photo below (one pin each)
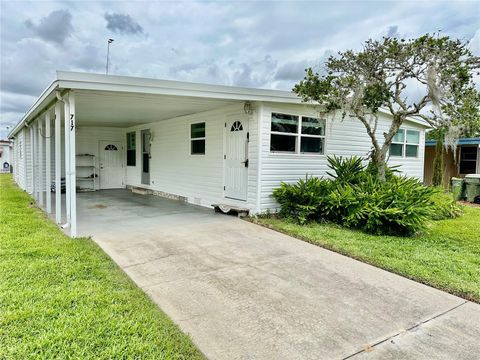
(245, 292)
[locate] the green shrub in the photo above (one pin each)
(346, 170)
(300, 201)
(445, 206)
(356, 198)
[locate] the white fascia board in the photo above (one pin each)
(84, 81)
(36, 108)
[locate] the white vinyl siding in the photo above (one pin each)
(19, 166)
(342, 138)
(198, 178)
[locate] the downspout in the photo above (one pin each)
(66, 104)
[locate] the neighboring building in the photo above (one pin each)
(466, 160)
(5, 156)
(205, 144)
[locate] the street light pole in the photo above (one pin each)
(108, 53)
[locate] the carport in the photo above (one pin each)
(51, 139)
(122, 213)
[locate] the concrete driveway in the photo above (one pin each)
(245, 292)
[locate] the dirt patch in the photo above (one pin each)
(98, 206)
(466, 203)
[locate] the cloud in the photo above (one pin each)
(392, 31)
(122, 24)
(292, 70)
(55, 27)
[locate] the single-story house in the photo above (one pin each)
(466, 160)
(5, 155)
(203, 144)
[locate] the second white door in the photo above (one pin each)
(236, 158)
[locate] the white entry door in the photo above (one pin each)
(111, 165)
(236, 157)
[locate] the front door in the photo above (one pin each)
(236, 158)
(145, 157)
(111, 165)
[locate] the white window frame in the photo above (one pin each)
(298, 135)
(404, 145)
(204, 138)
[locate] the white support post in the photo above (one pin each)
(33, 131)
(58, 163)
(67, 160)
(73, 179)
(48, 165)
(41, 150)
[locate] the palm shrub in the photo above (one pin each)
(300, 200)
(346, 170)
(356, 198)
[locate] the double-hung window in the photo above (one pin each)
(197, 139)
(297, 134)
(131, 149)
(405, 143)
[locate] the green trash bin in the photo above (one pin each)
(472, 182)
(458, 188)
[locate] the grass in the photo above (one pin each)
(446, 256)
(65, 299)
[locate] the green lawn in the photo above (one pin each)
(446, 256)
(65, 299)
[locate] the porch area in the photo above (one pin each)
(121, 214)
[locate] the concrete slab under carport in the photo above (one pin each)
(246, 292)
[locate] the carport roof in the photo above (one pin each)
(197, 97)
(112, 100)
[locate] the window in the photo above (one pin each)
(111, 147)
(131, 149)
(468, 160)
(236, 126)
(197, 139)
(297, 134)
(405, 143)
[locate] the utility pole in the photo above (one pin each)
(108, 53)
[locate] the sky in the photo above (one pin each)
(254, 44)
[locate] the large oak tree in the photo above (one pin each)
(384, 75)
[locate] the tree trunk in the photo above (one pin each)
(378, 159)
(438, 163)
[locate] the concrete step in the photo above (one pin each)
(231, 209)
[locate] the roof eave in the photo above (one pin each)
(114, 83)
